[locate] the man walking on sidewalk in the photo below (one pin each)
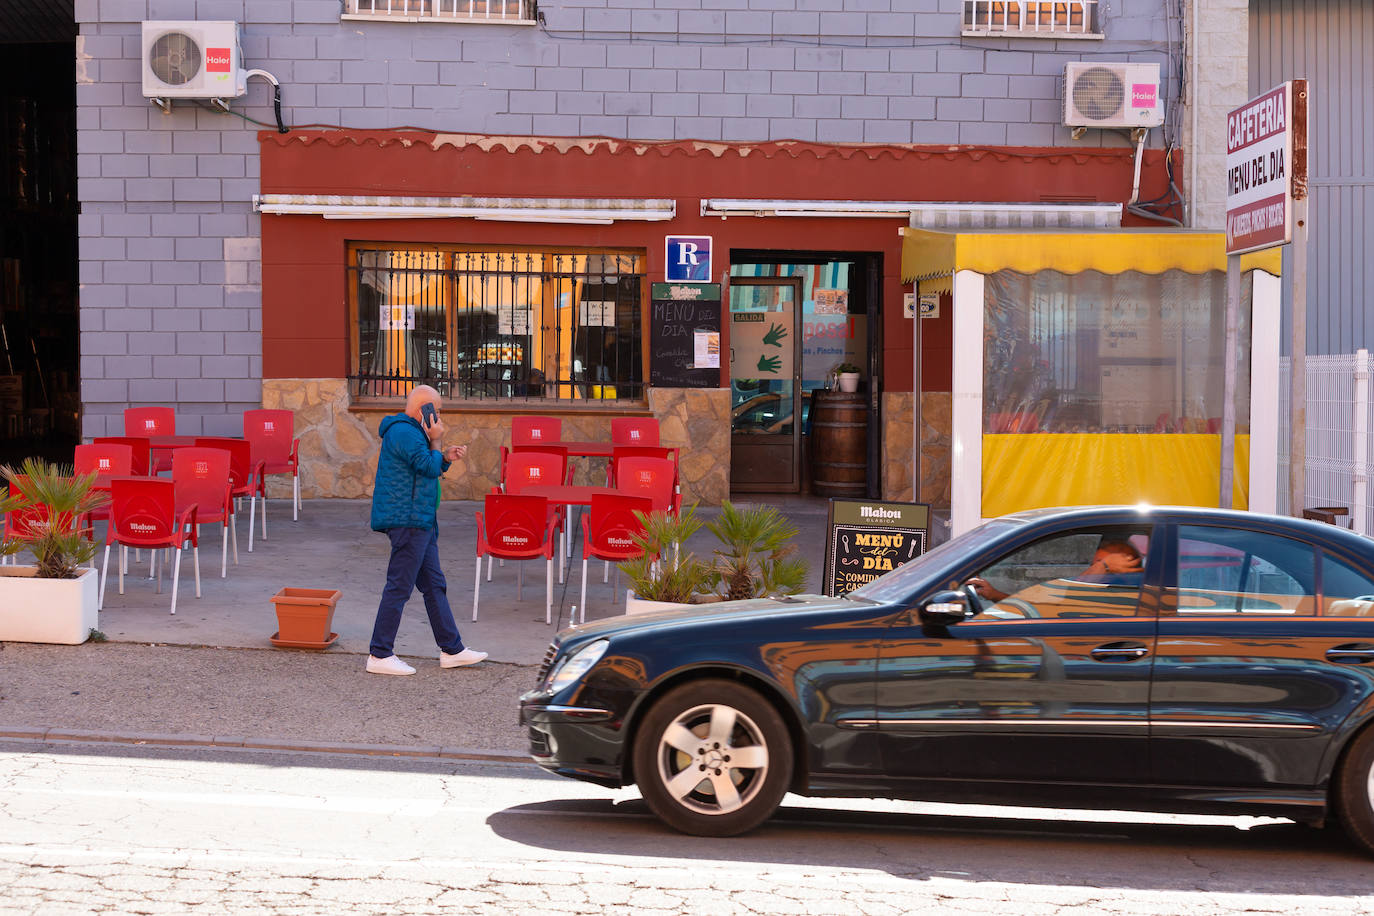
(405, 504)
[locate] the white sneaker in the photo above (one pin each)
(466, 657)
(389, 665)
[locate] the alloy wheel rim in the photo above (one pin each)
(712, 759)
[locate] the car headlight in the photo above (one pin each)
(571, 669)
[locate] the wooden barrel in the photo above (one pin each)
(839, 443)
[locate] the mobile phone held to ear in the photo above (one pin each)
(428, 415)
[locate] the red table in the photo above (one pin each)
(568, 494)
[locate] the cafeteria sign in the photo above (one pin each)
(1266, 167)
(865, 539)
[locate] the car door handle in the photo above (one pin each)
(1120, 652)
(1352, 653)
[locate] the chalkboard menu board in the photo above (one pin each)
(865, 539)
(684, 335)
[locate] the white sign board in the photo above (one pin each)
(1266, 161)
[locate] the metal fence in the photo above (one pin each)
(1339, 422)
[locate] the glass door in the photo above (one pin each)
(765, 385)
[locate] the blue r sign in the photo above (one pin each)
(688, 257)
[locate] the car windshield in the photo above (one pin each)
(899, 583)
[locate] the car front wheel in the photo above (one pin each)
(1355, 791)
(713, 758)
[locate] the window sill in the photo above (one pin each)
(1031, 33)
(509, 408)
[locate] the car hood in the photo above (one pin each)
(691, 614)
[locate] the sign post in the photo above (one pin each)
(1266, 205)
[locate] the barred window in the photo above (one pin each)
(505, 11)
(497, 324)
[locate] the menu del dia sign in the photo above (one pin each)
(866, 539)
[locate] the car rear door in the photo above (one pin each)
(1050, 683)
(1257, 667)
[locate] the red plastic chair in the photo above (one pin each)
(654, 478)
(246, 478)
(143, 513)
(202, 481)
(528, 466)
(271, 432)
(535, 430)
(146, 422)
(515, 528)
(634, 431)
(641, 451)
(142, 451)
(531, 432)
(106, 460)
(607, 534)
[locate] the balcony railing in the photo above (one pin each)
(1032, 18)
(505, 11)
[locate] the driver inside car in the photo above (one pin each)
(1114, 573)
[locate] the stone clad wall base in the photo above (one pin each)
(339, 443)
(935, 458)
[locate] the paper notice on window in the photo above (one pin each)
(706, 350)
(597, 314)
(397, 318)
(831, 301)
(513, 322)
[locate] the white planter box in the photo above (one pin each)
(849, 381)
(47, 610)
(636, 605)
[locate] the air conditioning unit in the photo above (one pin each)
(1112, 95)
(192, 60)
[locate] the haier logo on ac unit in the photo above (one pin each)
(217, 60)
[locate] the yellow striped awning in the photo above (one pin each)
(931, 258)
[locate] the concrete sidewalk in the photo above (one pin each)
(209, 674)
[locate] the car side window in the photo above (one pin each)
(1233, 570)
(1084, 573)
(1346, 591)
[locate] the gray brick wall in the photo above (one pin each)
(170, 272)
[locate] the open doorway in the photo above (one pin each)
(40, 403)
(817, 310)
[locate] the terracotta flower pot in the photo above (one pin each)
(304, 616)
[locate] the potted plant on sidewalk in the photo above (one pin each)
(756, 558)
(665, 576)
(55, 600)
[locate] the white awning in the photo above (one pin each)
(927, 215)
(595, 211)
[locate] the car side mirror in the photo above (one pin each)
(945, 609)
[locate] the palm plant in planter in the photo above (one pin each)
(54, 600)
(665, 575)
(757, 557)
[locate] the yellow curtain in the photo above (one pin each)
(1029, 470)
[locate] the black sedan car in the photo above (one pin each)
(1183, 660)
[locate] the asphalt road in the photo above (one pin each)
(142, 830)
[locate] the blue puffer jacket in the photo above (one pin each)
(406, 491)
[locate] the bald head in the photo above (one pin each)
(418, 397)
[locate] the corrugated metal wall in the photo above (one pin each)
(1331, 44)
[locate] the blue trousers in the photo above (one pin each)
(414, 563)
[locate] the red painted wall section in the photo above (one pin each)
(304, 323)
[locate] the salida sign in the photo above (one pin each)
(1266, 166)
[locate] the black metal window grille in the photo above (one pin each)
(498, 325)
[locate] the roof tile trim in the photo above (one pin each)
(592, 145)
